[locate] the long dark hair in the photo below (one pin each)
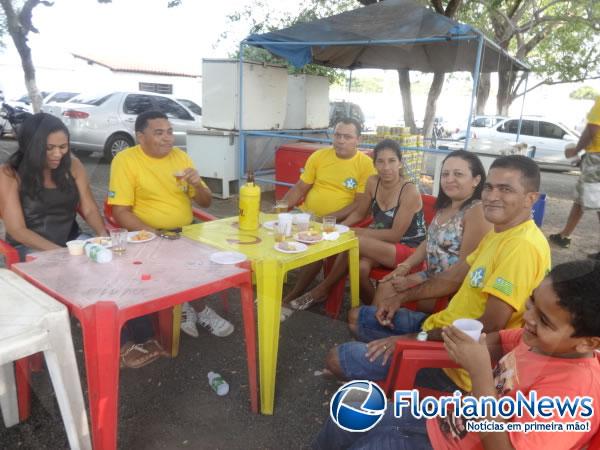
(29, 160)
(475, 167)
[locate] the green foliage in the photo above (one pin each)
(260, 16)
(585, 93)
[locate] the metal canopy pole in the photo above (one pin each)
(522, 107)
(476, 76)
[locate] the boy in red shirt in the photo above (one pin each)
(554, 355)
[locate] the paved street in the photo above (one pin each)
(169, 405)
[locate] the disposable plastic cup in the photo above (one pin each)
(470, 327)
(329, 224)
(75, 247)
(118, 238)
(284, 223)
(303, 221)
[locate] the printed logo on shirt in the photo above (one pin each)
(350, 183)
(111, 194)
(503, 286)
(477, 277)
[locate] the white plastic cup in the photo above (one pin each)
(470, 327)
(284, 223)
(303, 221)
(75, 247)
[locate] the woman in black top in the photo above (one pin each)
(41, 187)
(397, 229)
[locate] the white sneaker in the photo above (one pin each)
(188, 320)
(218, 326)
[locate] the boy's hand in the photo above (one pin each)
(400, 271)
(472, 356)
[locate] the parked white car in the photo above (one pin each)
(105, 122)
(476, 123)
(546, 138)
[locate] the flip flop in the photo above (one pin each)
(153, 346)
(134, 356)
(305, 301)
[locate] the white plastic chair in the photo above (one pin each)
(31, 322)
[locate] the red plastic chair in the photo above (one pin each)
(333, 305)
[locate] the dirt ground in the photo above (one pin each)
(169, 404)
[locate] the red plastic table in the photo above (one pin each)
(105, 296)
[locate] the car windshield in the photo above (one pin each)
(195, 108)
(87, 99)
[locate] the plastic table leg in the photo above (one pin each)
(353, 270)
(101, 328)
(62, 366)
(8, 395)
(269, 276)
(23, 374)
(247, 297)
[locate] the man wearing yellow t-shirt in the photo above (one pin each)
(590, 173)
(492, 285)
(333, 177)
(152, 186)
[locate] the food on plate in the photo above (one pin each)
(309, 236)
(287, 246)
(100, 240)
(142, 235)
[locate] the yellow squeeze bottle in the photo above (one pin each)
(249, 204)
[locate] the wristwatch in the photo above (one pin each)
(422, 336)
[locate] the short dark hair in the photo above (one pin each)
(530, 172)
(141, 123)
(577, 283)
(476, 168)
(30, 158)
(351, 121)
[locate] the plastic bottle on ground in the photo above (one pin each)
(217, 383)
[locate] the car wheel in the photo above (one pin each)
(115, 144)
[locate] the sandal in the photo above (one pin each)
(134, 356)
(305, 301)
(285, 313)
(153, 346)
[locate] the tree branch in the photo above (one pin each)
(552, 82)
(453, 6)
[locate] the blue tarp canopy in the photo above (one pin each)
(394, 34)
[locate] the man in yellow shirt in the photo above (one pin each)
(590, 173)
(332, 179)
(492, 285)
(152, 186)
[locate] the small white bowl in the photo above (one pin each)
(75, 247)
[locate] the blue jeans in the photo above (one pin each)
(404, 433)
(356, 366)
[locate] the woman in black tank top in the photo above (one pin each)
(41, 187)
(398, 225)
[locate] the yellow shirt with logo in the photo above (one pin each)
(148, 185)
(508, 265)
(334, 180)
(593, 117)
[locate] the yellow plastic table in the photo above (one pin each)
(270, 267)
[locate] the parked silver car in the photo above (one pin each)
(105, 122)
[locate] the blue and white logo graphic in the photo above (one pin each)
(358, 405)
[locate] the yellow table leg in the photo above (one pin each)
(353, 271)
(269, 278)
(176, 330)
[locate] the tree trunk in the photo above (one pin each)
(506, 81)
(483, 93)
(18, 31)
(434, 92)
(409, 115)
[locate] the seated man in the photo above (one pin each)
(554, 355)
(332, 179)
(152, 186)
(495, 281)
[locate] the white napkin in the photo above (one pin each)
(333, 236)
